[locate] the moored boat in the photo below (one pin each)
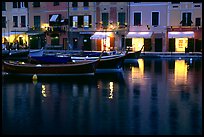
(16, 67)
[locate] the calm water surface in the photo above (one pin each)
(149, 97)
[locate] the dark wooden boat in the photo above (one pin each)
(15, 54)
(83, 67)
(106, 62)
(38, 52)
(134, 55)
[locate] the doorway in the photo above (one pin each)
(158, 44)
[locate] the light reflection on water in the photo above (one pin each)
(151, 96)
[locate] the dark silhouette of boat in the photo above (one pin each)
(17, 67)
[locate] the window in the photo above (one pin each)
(186, 19)
(3, 6)
(86, 21)
(121, 18)
(37, 21)
(105, 19)
(75, 21)
(155, 18)
(197, 21)
(137, 19)
(23, 23)
(15, 4)
(15, 21)
(36, 4)
(86, 4)
(55, 3)
(3, 22)
(74, 4)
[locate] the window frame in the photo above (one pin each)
(158, 21)
(134, 23)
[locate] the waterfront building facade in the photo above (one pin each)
(184, 26)
(82, 25)
(48, 24)
(147, 26)
(14, 23)
(111, 25)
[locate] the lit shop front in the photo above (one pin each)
(181, 41)
(104, 40)
(135, 40)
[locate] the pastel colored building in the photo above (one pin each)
(82, 25)
(48, 24)
(14, 22)
(111, 25)
(147, 26)
(184, 26)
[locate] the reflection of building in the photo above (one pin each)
(185, 26)
(147, 26)
(14, 22)
(180, 72)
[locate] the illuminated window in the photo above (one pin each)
(75, 21)
(86, 21)
(181, 44)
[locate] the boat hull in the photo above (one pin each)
(70, 68)
(106, 62)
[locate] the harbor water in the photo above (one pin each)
(146, 97)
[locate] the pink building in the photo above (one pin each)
(48, 24)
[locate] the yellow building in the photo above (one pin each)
(184, 26)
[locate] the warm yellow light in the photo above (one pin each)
(43, 91)
(105, 44)
(138, 73)
(45, 25)
(181, 44)
(180, 72)
(137, 44)
(111, 90)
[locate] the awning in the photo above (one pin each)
(101, 35)
(34, 33)
(6, 34)
(139, 35)
(54, 18)
(187, 34)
